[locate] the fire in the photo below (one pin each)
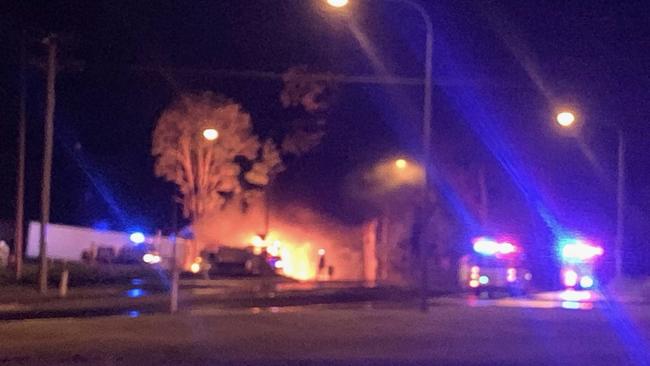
(296, 236)
(297, 259)
(297, 263)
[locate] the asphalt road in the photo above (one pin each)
(19, 304)
(456, 331)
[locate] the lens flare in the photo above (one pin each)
(565, 119)
(579, 251)
(151, 258)
(570, 278)
(195, 268)
(137, 237)
(512, 275)
(586, 282)
(210, 134)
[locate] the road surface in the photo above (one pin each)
(456, 331)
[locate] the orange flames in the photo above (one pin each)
(297, 235)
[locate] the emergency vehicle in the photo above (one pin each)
(494, 266)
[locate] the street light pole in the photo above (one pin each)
(426, 124)
(620, 206)
(210, 135)
(567, 119)
(426, 134)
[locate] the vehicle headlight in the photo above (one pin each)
(195, 267)
(151, 258)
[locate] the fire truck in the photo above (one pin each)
(578, 258)
(494, 265)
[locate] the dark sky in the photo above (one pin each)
(501, 67)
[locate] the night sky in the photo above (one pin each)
(501, 67)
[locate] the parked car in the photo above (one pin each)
(231, 261)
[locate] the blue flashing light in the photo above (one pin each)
(137, 237)
(135, 293)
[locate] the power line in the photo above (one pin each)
(269, 75)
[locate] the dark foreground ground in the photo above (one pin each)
(454, 332)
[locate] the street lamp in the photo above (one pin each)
(426, 113)
(567, 119)
(337, 3)
(401, 164)
(210, 134)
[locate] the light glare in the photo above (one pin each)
(570, 278)
(210, 134)
(484, 280)
(337, 3)
(586, 282)
(512, 275)
(507, 248)
(151, 258)
(257, 241)
(578, 251)
(137, 238)
(565, 119)
(195, 268)
(572, 295)
(401, 163)
(486, 246)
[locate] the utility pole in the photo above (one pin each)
(483, 202)
(267, 210)
(173, 293)
(20, 174)
(51, 43)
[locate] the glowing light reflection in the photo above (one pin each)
(571, 295)
(137, 237)
(586, 282)
(579, 251)
(570, 278)
(195, 268)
